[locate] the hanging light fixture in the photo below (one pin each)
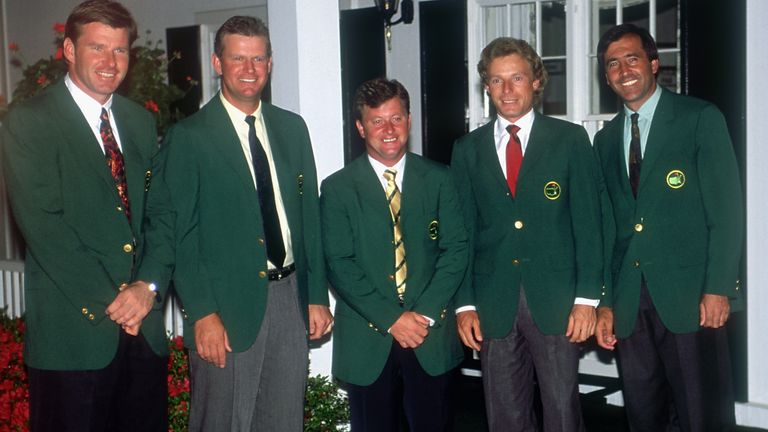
(388, 9)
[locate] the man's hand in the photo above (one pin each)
(468, 323)
(581, 323)
(211, 340)
(714, 310)
(320, 321)
(604, 331)
(131, 305)
(410, 329)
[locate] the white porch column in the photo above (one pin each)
(306, 79)
(755, 411)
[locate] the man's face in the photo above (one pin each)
(98, 61)
(511, 86)
(244, 68)
(629, 72)
(385, 131)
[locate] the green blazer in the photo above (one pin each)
(685, 231)
(208, 209)
(546, 239)
(80, 246)
(357, 237)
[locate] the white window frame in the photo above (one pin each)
(578, 53)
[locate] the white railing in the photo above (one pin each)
(12, 297)
(11, 283)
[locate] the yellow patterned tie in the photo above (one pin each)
(393, 197)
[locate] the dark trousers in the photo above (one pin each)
(130, 394)
(512, 365)
(675, 382)
(402, 388)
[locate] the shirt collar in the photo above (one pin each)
(525, 123)
(379, 169)
(89, 106)
(236, 115)
(649, 107)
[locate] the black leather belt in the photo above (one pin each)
(281, 273)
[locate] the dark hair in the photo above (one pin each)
(107, 12)
(617, 32)
(243, 26)
(373, 93)
(504, 46)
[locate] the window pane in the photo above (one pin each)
(604, 100)
(517, 21)
(554, 101)
(603, 17)
(553, 28)
(636, 12)
(667, 23)
(495, 22)
(669, 71)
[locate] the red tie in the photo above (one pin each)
(114, 161)
(514, 157)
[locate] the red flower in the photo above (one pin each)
(58, 27)
(59, 54)
(151, 105)
(13, 47)
(42, 80)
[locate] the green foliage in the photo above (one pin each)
(146, 82)
(325, 409)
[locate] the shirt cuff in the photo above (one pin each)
(586, 302)
(465, 308)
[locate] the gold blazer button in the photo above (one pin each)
(262, 274)
(127, 248)
(519, 224)
(638, 227)
(515, 262)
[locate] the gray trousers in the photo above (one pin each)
(262, 388)
(508, 366)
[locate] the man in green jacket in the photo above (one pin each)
(396, 249)
(239, 202)
(77, 160)
(672, 178)
(529, 189)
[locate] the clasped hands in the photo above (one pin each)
(131, 305)
(410, 329)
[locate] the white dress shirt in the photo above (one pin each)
(241, 127)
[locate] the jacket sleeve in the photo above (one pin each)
(452, 261)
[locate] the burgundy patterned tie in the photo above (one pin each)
(114, 161)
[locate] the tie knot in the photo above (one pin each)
(104, 115)
(251, 120)
(512, 129)
(634, 117)
(390, 174)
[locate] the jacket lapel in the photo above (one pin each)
(135, 162)
(412, 197)
(537, 144)
(656, 145)
(487, 156)
(79, 136)
(618, 158)
(223, 137)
